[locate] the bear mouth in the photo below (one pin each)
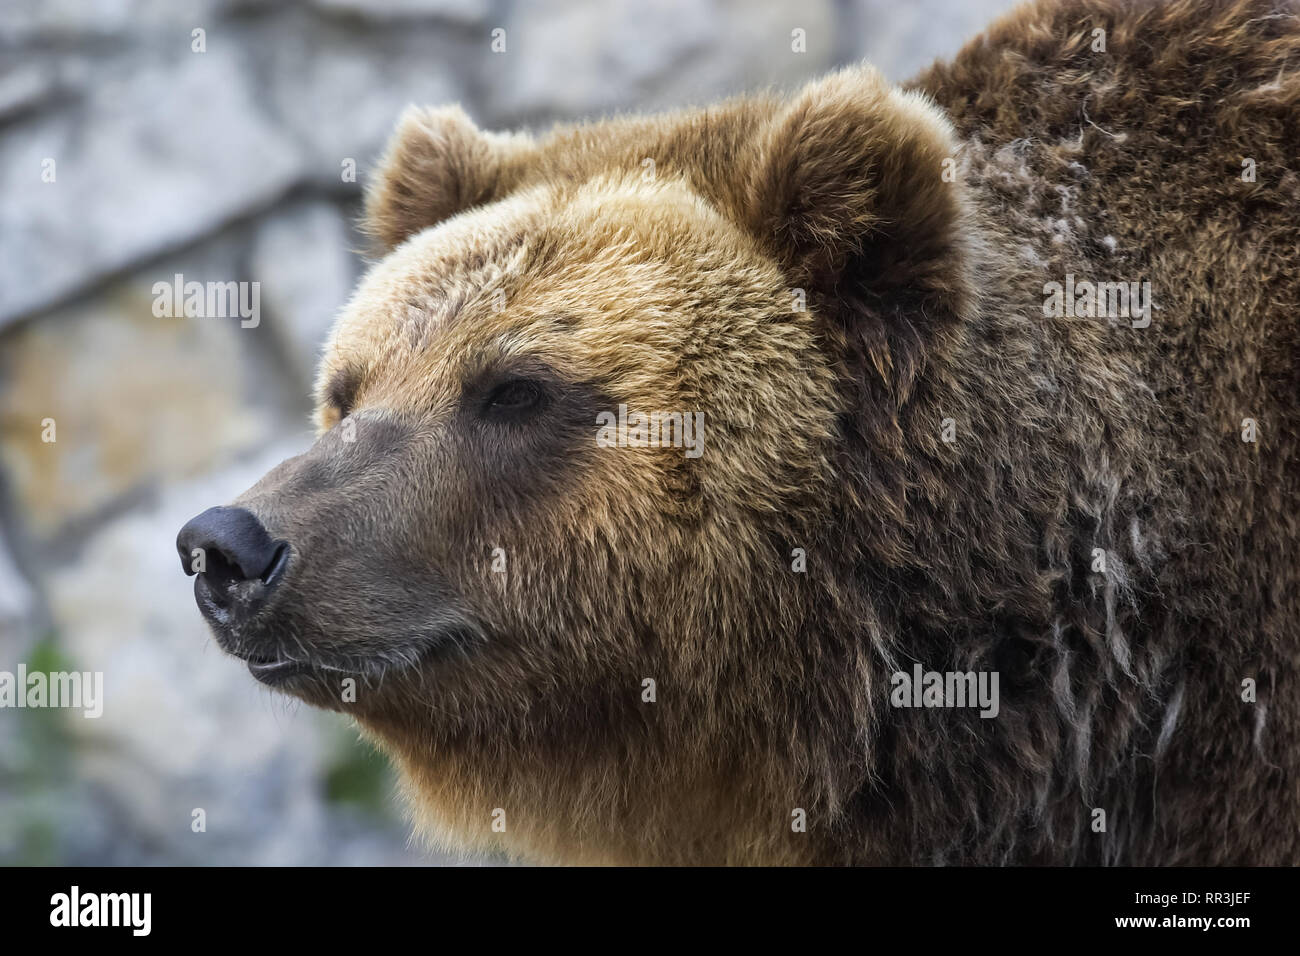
(277, 671)
(298, 674)
(274, 671)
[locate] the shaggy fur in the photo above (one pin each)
(573, 263)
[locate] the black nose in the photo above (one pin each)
(233, 555)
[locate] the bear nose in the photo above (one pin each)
(233, 553)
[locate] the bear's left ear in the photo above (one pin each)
(848, 192)
(438, 163)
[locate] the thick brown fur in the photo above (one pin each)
(663, 262)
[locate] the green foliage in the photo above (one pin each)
(39, 764)
(359, 776)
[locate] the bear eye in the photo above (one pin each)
(342, 391)
(514, 398)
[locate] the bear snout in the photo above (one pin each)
(235, 562)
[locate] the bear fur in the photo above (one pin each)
(905, 461)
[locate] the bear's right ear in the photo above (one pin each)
(437, 163)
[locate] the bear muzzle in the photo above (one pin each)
(236, 566)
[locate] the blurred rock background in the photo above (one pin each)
(222, 155)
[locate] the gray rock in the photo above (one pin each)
(339, 96)
(156, 156)
(136, 400)
(903, 38)
(565, 58)
(52, 82)
(25, 86)
(17, 609)
(466, 11)
(303, 261)
(29, 21)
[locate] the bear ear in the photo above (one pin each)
(847, 191)
(437, 163)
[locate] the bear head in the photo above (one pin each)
(571, 542)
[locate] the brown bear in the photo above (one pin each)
(872, 475)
